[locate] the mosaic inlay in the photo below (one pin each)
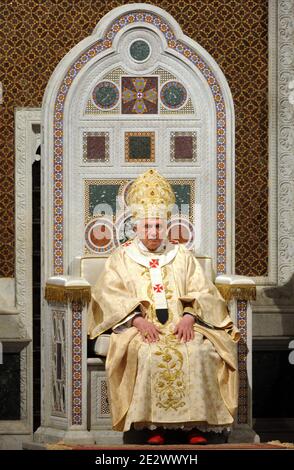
(114, 77)
(185, 194)
(139, 147)
(103, 201)
(140, 50)
(108, 220)
(139, 95)
(188, 108)
(77, 350)
(180, 229)
(59, 366)
(101, 197)
(234, 34)
(124, 226)
(183, 146)
(166, 76)
(242, 361)
(173, 95)
(105, 95)
(100, 236)
(104, 411)
(95, 146)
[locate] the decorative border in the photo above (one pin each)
(77, 349)
(242, 361)
(26, 143)
(101, 45)
(285, 131)
(127, 147)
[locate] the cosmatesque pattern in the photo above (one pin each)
(35, 36)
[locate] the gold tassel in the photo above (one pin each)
(237, 292)
(63, 295)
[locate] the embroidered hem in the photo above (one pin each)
(184, 427)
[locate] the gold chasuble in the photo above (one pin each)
(165, 383)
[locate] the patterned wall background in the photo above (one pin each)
(36, 34)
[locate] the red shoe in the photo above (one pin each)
(195, 438)
(156, 438)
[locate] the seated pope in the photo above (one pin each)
(172, 358)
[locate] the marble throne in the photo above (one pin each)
(135, 94)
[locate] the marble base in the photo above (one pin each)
(51, 435)
(108, 437)
(243, 434)
(31, 445)
(12, 442)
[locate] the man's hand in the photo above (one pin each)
(149, 332)
(184, 329)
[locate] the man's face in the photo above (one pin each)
(151, 232)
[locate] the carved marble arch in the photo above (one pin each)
(136, 83)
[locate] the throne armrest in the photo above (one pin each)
(102, 344)
(236, 287)
(65, 323)
(65, 289)
(238, 291)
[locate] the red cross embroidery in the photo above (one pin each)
(129, 242)
(158, 287)
(154, 263)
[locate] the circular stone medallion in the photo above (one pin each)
(173, 95)
(140, 50)
(105, 95)
(125, 228)
(100, 235)
(181, 230)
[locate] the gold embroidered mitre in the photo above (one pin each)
(150, 195)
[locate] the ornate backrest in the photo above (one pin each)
(137, 93)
